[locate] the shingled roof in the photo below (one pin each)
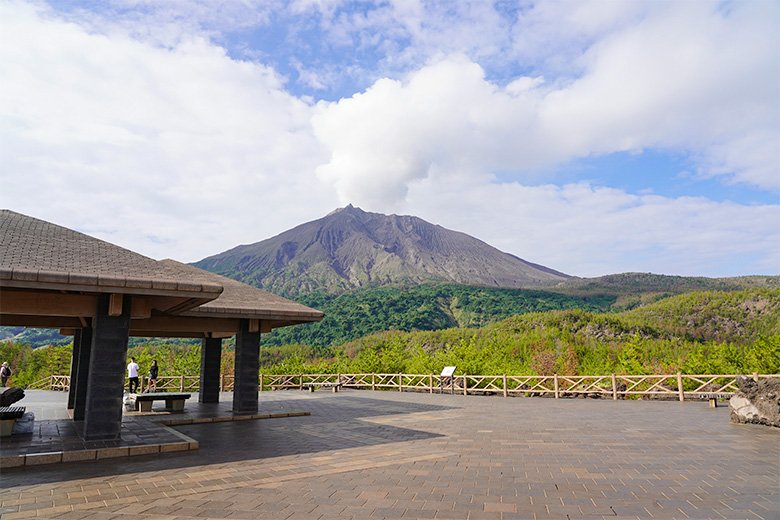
(36, 253)
(239, 300)
(47, 273)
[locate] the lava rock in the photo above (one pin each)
(756, 402)
(10, 395)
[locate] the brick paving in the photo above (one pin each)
(372, 455)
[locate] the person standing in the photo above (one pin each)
(153, 371)
(5, 373)
(132, 373)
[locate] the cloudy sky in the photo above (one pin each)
(591, 136)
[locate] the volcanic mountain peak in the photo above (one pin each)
(351, 248)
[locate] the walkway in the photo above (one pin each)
(372, 455)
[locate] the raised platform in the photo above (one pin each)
(57, 438)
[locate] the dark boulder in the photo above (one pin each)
(10, 395)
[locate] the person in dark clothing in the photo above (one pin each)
(153, 371)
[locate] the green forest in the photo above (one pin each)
(710, 332)
(356, 314)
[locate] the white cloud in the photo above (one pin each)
(129, 140)
(587, 230)
(152, 137)
(688, 78)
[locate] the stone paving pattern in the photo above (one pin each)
(372, 455)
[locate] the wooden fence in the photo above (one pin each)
(613, 386)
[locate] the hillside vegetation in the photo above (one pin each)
(711, 332)
(729, 333)
(424, 307)
(636, 289)
(432, 306)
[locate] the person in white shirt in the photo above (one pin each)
(132, 374)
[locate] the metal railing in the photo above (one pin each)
(614, 386)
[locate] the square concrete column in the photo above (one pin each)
(79, 372)
(106, 379)
(210, 361)
(245, 386)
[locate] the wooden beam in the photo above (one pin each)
(173, 325)
(254, 325)
(185, 304)
(47, 303)
(40, 322)
(140, 308)
(115, 304)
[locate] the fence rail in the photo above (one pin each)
(614, 386)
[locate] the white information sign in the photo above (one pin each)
(448, 371)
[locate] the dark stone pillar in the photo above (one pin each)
(245, 386)
(80, 374)
(210, 361)
(106, 380)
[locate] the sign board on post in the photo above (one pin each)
(447, 372)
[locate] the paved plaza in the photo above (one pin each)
(372, 455)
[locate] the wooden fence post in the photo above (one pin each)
(555, 378)
(300, 382)
(614, 388)
(755, 377)
(680, 387)
(400, 383)
(373, 381)
(261, 382)
(430, 383)
(465, 385)
(506, 394)
(222, 382)
(181, 384)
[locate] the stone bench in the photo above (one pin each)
(173, 401)
(312, 386)
(11, 412)
(714, 396)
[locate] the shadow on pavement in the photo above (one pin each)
(335, 423)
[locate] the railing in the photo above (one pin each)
(670, 386)
(56, 383)
(673, 386)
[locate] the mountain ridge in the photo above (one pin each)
(350, 248)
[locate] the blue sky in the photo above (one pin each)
(591, 136)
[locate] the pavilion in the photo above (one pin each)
(55, 277)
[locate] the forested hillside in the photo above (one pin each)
(636, 289)
(424, 307)
(434, 306)
(739, 333)
(704, 333)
